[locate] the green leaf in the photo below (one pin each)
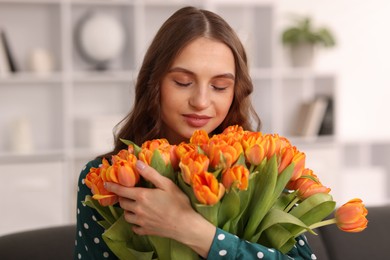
(102, 210)
(125, 244)
(162, 246)
(180, 251)
(312, 210)
(229, 208)
(241, 160)
(264, 188)
(209, 212)
(137, 149)
(276, 237)
(283, 178)
(284, 200)
(158, 163)
(276, 216)
(187, 189)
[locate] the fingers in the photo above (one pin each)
(121, 191)
(152, 175)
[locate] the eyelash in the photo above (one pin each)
(188, 84)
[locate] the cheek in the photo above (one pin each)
(224, 104)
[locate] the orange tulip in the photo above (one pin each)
(148, 148)
(290, 154)
(251, 138)
(223, 155)
(199, 137)
(123, 170)
(237, 175)
(255, 154)
(308, 184)
(183, 148)
(206, 188)
(94, 181)
(193, 163)
(351, 217)
(233, 129)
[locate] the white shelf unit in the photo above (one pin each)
(56, 104)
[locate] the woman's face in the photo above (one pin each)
(198, 89)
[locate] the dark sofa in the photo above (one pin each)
(330, 244)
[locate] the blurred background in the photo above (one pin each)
(67, 71)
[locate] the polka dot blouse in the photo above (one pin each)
(89, 243)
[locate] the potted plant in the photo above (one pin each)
(302, 38)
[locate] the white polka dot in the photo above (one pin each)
(75, 242)
(94, 218)
(236, 236)
(222, 252)
(83, 181)
(106, 255)
(96, 240)
(86, 226)
(80, 234)
(301, 242)
(78, 211)
(86, 248)
(79, 256)
(313, 256)
(221, 237)
(78, 189)
(260, 255)
(271, 250)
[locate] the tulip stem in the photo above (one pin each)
(113, 211)
(291, 204)
(319, 224)
(323, 223)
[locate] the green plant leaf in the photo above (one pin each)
(284, 200)
(264, 188)
(158, 163)
(209, 212)
(229, 208)
(125, 244)
(180, 251)
(137, 149)
(312, 210)
(103, 211)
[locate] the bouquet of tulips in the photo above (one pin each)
(247, 183)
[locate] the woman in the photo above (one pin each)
(194, 76)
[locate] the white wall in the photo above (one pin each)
(361, 60)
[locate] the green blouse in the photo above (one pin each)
(89, 243)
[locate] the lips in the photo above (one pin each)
(196, 120)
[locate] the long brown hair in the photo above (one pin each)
(185, 25)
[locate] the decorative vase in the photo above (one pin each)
(100, 39)
(302, 55)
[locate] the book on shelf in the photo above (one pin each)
(7, 48)
(311, 117)
(4, 64)
(328, 122)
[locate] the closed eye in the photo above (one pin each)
(218, 88)
(181, 84)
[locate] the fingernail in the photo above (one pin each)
(140, 165)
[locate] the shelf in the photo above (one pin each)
(34, 156)
(28, 78)
(104, 76)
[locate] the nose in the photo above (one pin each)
(200, 97)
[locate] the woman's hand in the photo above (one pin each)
(164, 211)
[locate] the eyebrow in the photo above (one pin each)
(223, 75)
